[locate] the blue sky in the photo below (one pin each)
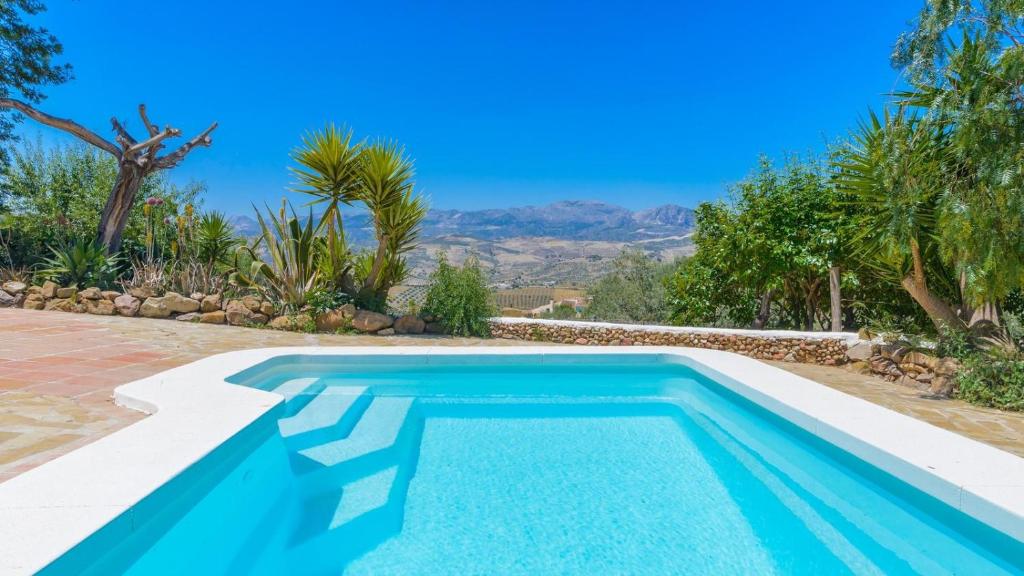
(501, 104)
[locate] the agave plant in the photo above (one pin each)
(81, 263)
(287, 268)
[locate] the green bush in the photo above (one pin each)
(997, 382)
(460, 298)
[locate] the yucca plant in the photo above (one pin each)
(286, 270)
(82, 263)
(328, 170)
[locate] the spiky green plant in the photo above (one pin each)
(82, 263)
(287, 268)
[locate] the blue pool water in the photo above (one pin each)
(488, 465)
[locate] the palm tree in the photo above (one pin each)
(386, 187)
(329, 171)
(894, 170)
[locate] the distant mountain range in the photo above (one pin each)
(566, 220)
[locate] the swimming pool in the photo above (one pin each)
(566, 463)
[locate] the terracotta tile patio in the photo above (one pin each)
(58, 371)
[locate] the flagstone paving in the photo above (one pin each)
(58, 371)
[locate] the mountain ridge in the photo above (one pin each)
(566, 219)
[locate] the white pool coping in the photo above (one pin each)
(46, 511)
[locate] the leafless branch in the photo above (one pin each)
(152, 141)
(122, 136)
(172, 159)
(150, 127)
(68, 126)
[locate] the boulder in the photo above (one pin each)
(258, 318)
(946, 367)
(142, 292)
(91, 293)
(942, 386)
(859, 367)
(409, 324)
(921, 359)
(188, 317)
(69, 292)
(252, 303)
(266, 308)
(13, 287)
(61, 305)
(210, 303)
(154, 308)
(237, 313)
(895, 351)
(111, 294)
(348, 311)
(386, 332)
(49, 289)
(197, 296)
(127, 305)
(177, 303)
(212, 317)
(35, 290)
(297, 322)
(859, 351)
(366, 321)
(34, 302)
(6, 300)
(331, 321)
(101, 307)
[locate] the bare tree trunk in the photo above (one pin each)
(764, 312)
(835, 298)
(118, 208)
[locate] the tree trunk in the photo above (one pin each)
(811, 303)
(835, 298)
(987, 312)
(764, 312)
(119, 204)
(378, 265)
(941, 313)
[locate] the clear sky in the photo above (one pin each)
(500, 103)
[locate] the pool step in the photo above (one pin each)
(359, 485)
(329, 415)
(365, 449)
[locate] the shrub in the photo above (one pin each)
(994, 380)
(81, 263)
(323, 299)
(459, 298)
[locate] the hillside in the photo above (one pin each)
(565, 243)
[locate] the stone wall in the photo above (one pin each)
(243, 310)
(821, 348)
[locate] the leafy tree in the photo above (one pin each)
(965, 60)
(29, 55)
(766, 254)
(460, 298)
(633, 291)
(893, 170)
